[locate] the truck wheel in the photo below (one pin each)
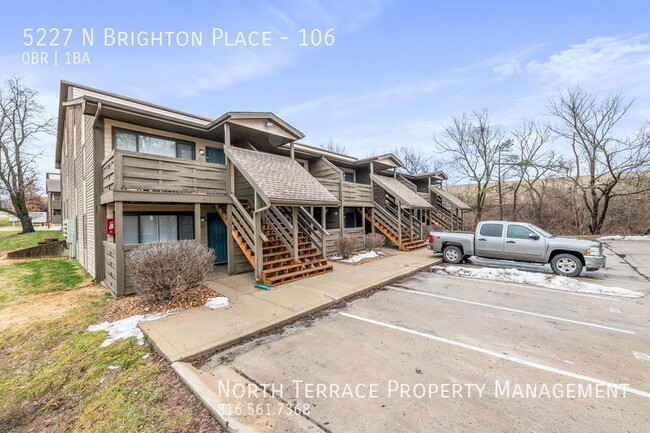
(566, 265)
(452, 254)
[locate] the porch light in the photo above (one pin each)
(202, 219)
(201, 152)
(269, 123)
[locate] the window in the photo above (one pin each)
(56, 212)
(332, 218)
(56, 196)
(352, 218)
(492, 230)
(147, 143)
(348, 176)
(143, 228)
(518, 232)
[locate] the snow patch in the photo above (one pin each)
(362, 256)
(218, 302)
(536, 279)
(127, 328)
(641, 356)
(624, 238)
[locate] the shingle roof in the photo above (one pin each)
(401, 192)
(53, 185)
(451, 198)
(280, 178)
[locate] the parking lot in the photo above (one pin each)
(441, 353)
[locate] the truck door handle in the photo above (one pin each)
(481, 239)
(511, 242)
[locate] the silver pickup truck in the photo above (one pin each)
(519, 242)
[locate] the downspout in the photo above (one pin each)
(99, 109)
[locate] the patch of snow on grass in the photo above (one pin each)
(358, 257)
(536, 279)
(624, 238)
(218, 302)
(126, 328)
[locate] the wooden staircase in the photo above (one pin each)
(388, 228)
(279, 265)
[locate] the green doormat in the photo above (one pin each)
(264, 286)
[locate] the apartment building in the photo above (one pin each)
(242, 184)
(53, 192)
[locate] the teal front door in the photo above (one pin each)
(215, 155)
(218, 238)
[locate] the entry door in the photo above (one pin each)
(489, 241)
(215, 155)
(218, 238)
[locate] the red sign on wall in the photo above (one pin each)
(110, 226)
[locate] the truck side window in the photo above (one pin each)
(492, 230)
(518, 232)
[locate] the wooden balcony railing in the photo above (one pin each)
(132, 171)
(357, 193)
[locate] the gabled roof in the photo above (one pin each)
(71, 93)
(280, 180)
(450, 198)
(437, 174)
(406, 196)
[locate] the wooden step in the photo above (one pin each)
(295, 266)
(297, 275)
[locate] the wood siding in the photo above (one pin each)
(77, 185)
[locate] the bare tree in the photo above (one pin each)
(21, 122)
(604, 166)
(413, 161)
(471, 142)
(534, 164)
(333, 147)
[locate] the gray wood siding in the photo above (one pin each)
(77, 184)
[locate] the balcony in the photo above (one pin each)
(357, 194)
(133, 176)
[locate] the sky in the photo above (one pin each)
(394, 74)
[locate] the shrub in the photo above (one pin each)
(374, 241)
(163, 270)
(347, 245)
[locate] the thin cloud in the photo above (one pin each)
(600, 62)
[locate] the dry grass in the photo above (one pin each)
(55, 377)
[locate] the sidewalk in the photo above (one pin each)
(194, 332)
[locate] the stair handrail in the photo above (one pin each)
(244, 222)
(386, 215)
(308, 216)
(276, 220)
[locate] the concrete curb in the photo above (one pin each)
(295, 317)
(209, 398)
(231, 412)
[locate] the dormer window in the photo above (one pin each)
(349, 176)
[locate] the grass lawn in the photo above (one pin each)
(4, 221)
(11, 240)
(55, 377)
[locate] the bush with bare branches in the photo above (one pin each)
(163, 270)
(347, 245)
(374, 241)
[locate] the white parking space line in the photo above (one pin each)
(577, 322)
(528, 286)
(620, 387)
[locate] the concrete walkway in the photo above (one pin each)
(194, 332)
